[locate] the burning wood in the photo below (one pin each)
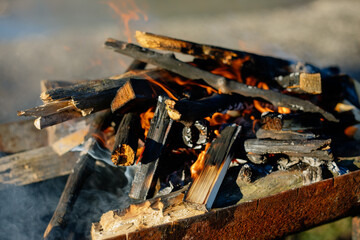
(163, 119)
(215, 164)
(145, 180)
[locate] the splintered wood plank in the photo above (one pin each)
(144, 182)
(206, 185)
(21, 136)
(34, 166)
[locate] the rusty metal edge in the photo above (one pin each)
(270, 217)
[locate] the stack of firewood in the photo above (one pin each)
(223, 106)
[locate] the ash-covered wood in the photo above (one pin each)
(309, 83)
(196, 135)
(224, 85)
(144, 181)
(126, 140)
(217, 159)
(188, 111)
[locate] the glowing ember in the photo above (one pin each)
(218, 119)
(284, 110)
(145, 120)
(350, 131)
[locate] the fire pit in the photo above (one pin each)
(231, 137)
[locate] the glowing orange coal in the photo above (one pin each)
(145, 119)
(218, 119)
(126, 10)
(198, 165)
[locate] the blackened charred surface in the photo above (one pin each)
(144, 180)
(126, 140)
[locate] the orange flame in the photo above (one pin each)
(126, 10)
(257, 103)
(167, 91)
(145, 120)
(198, 165)
(233, 71)
(181, 82)
(218, 118)
(350, 131)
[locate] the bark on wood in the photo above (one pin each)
(206, 185)
(49, 109)
(21, 136)
(34, 165)
(223, 84)
(290, 122)
(188, 111)
(309, 83)
(135, 95)
(126, 140)
(144, 181)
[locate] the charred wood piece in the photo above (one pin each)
(245, 174)
(126, 140)
(224, 85)
(290, 122)
(309, 83)
(144, 181)
(135, 95)
(205, 186)
(187, 111)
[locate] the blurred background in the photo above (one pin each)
(63, 40)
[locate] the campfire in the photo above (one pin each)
(226, 128)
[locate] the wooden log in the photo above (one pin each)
(135, 95)
(196, 135)
(268, 67)
(284, 135)
(21, 136)
(188, 111)
(217, 159)
(136, 65)
(290, 122)
(223, 84)
(144, 181)
(34, 165)
(309, 83)
(126, 140)
(262, 213)
(51, 84)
